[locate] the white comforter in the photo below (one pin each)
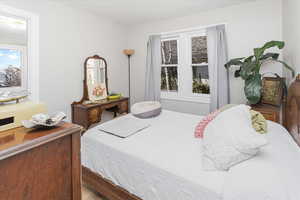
(163, 162)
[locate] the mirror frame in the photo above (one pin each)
(85, 86)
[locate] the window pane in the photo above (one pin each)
(200, 79)
(10, 68)
(199, 50)
(169, 52)
(169, 79)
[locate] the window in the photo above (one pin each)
(13, 67)
(169, 56)
(200, 65)
(184, 69)
(23, 40)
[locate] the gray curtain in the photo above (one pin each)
(218, 75)
(153, 69)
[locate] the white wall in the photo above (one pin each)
(291, 32)
(67, 37)
(13, 36)
(248, 25)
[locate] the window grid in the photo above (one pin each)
(184, 68)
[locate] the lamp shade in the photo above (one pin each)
(128, 52)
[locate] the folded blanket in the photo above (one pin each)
(124, 126)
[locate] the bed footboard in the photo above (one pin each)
(105, 187)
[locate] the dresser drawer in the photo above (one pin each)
(123, 107)
(94, 115)
(269, 112)
(270, 116)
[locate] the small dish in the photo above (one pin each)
(44, 120)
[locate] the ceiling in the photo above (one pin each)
(139, 11)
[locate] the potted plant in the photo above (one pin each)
(249, 69)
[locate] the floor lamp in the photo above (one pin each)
(129, 53)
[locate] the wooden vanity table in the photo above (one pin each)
(89, 109)
(40, 164)
(88, 114)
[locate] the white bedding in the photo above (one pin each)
(163, 162)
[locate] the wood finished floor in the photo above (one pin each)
(88, 194)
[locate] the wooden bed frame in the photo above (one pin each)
(105, 187)
(113, 192)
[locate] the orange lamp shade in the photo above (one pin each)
(128, 52)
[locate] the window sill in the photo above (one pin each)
(196, 98)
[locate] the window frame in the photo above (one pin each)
(169, 38)
(24, 67)
(32, 47)
(184, 68)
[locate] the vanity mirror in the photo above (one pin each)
(95, 79)
(89, 109)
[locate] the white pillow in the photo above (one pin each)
(146, 109)
(230, 139)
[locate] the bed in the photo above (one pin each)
(163, 162)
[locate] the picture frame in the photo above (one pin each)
(272, 90)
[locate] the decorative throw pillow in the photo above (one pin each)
(146, 109)
(230, 139)
(199, 130)
(259, 123)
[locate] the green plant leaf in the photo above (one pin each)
(234, 62)
(249, 59)
(252, 88)
(269, 55)
(258, 52)
(237, 73)
(286, 66)
(248, 69)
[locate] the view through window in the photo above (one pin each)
(184, 65)
(10, 68)
(169, 74)
(13, 53)
(200, 65)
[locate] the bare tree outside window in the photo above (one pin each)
(200, 65)
(10, 68)
(169, 55)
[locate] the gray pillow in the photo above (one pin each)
(146, 109)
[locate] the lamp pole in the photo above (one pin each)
(129, 53)
(129, 82)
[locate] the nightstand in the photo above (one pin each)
(270, 112)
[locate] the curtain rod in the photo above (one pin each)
(187, 29)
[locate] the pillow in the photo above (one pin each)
(259, 123)
(146, 109)
(199, 130)
(230, 139)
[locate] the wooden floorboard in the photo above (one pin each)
(88, 194)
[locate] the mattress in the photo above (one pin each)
(163, 162)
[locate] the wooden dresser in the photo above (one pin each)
(40, 164)
(88, 114)
(270, 112)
